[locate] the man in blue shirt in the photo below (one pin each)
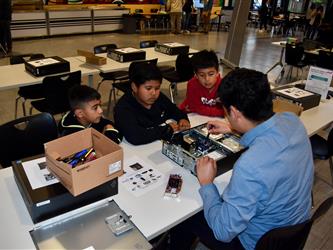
(271, 182)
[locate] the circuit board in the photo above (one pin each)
(186, 147)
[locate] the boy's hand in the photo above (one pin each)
(206, 170)
(187, 109)
(218, 127)
(109, 126)
(174, 126)
(184, 124)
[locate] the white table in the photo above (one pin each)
(151, 213)
(112, 65)
(14, 76)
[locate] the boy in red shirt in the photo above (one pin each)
(201, 95)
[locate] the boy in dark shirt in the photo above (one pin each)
(144, 114)
(86, 112)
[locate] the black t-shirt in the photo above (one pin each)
(5, 10)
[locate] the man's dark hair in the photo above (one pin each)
(81, 94)
(139, 73)
(248, 91)
(205, 59)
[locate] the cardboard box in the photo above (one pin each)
(91, 58)
(280, 105)
(107, 166)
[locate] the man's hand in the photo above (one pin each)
(218, 127)
(184, 124)
(206, 170)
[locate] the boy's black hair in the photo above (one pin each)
(248, 91)
(81, 94)
(141, 72)
(205, 59)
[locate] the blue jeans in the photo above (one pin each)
(186, 21)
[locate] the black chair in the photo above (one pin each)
(111, 76)
(25, 137)
(125, 86)
(183, 72)
(27, 92)
(322, 149)
(150, 44)
(325, 59)
(294, 58)
(292, 237)
(56, 93)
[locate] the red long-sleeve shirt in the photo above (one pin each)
(202, 101)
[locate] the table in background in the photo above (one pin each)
(14, 76)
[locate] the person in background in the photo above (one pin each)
(271, 182)
(86, 112)
(187, 10)
(316, 18)
(205, 15)
(145, 114)
(308, 19)
(201, 94)
(263, 16)
(175, 9)
(5, 19)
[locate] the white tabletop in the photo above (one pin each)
(14, 76)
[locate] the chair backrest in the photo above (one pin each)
(17, 59)
(103, 48)
(126, 86)
(293, 237)
(25, 137)
(148, 43)
(286, 238)
(325, 59)
(294, 54)
(133, 64)
(184, 67)
(56, 90)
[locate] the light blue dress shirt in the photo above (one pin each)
(270, 186)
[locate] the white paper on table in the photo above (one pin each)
(127, 50)
(319, 80)
(295, 92)
(43, 62)
(140, 179)
(38, 175)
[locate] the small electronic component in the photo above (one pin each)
(119, 223)
(174, 186)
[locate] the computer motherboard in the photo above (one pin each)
(186, 147)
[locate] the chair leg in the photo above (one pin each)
(331, 168)
(23, 107)
(99, 84)
(112, 93)
(16, 103)
(30, 112)
(171, 88)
